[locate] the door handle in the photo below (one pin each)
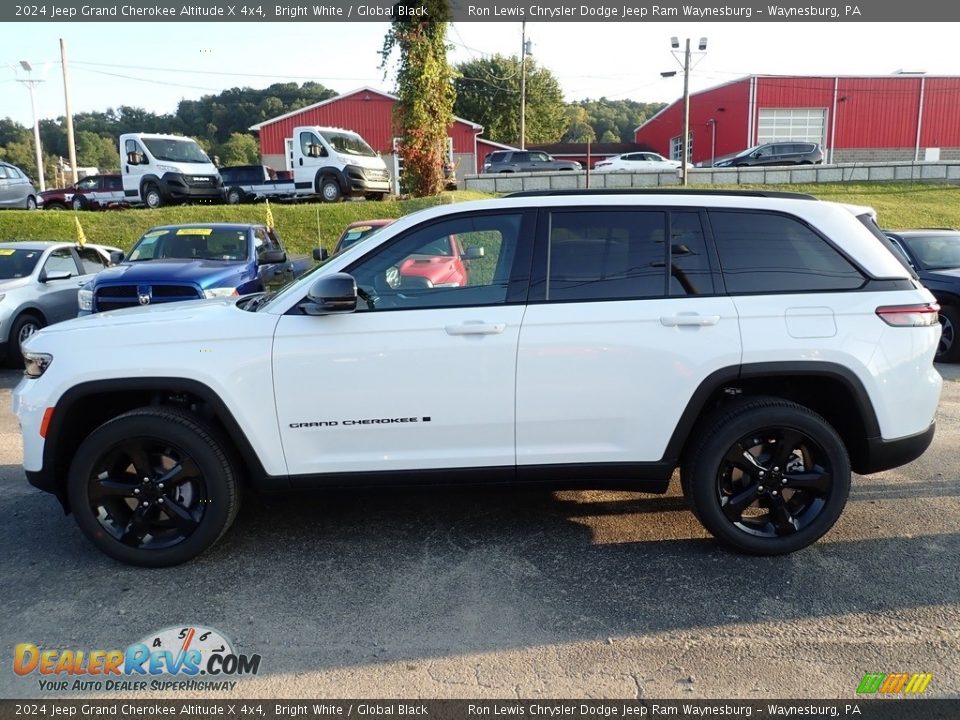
(691, 319)
(301, 162)
(476, 328)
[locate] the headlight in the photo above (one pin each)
(35, 364)
(168, 169)
(85, 299)
(220, 292)
(2, 296)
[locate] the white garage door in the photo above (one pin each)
(808, 124)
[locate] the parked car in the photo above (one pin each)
(778, 153)
(16, 190)
(39, 281)
(94, 192)
(935, 256)
(356, 231)
(171, 263)
(636, 162)
(768, 349)
(443, 263)
(250, 183)
(511, 161)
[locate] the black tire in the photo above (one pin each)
(152, 196)
(31, 203)
(948, 350)
(778, 501)
(123, 482)
(376, 197)
(54, 206)
(234, 196)
(79, 202)
(330, 190)
(24, 326)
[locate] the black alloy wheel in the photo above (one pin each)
(766, 476)
(153, 487)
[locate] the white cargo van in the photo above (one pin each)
(335, 163)
(167, 169)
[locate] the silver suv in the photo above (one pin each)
(514, 161)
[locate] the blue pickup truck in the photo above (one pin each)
(190, 262)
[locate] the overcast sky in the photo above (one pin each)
(155, 65)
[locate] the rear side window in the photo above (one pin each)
(622, 255)
(769, 253)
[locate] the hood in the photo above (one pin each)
(57, 193)
(204, 273)
(949, 274)
(14, 283)
(364, 161)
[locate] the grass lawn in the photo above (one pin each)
(899, 205)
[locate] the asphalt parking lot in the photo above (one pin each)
(530, 595)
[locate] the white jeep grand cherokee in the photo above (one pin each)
(765, 343)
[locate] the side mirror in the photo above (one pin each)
(271, 257)
(116, 257)
(133, 158)
(333, 294)
(473, 253)
(55, 275)
(320, 254)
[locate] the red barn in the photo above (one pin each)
(857, 119)
(367, 112)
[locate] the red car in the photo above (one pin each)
(94, 192)
(438, 264)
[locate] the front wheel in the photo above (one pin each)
(79, 202)
(234, 196)
(766, 476)
(25, 326)
(153, 487)
(330, 190)
(152, 196)
(948, 350)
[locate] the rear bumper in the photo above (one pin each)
(883, 454)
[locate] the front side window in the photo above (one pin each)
(87, 184)
(461, 261)
(60, 260)
(770, 253)
(310, 145)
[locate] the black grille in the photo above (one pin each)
(117, 297)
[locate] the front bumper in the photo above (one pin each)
(175, 187)
(366, 180)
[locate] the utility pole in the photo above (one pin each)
(31, 84)
(71, 145)
(523, 86)
(685, 140)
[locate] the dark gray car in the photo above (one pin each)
(16, 190)
(777, 153)
(39, 282)
(513, 161)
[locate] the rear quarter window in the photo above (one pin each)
(771, 253)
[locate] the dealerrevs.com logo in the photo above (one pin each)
(176, 658)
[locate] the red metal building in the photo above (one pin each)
(856, 119)
(369, 113)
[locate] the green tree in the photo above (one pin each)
(424, 109)
(578, 129)
(239, 149)
(488, 92)
(615, 120)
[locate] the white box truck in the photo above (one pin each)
(167, 169)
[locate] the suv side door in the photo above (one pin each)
(613, 345)
(419, 376)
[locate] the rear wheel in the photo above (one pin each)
(153, 487)
(31, 203)
(234, 196)
(949, 349)
(766, 476)
(375, 196)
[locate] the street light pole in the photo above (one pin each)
(686, 115)
(523, 85)
(31, 84)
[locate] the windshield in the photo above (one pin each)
(935, 252)
(195, 243)
(174, 150)
(348, 144)
(17, 263)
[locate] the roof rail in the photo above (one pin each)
(662, 191)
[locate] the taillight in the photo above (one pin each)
(921, 315)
